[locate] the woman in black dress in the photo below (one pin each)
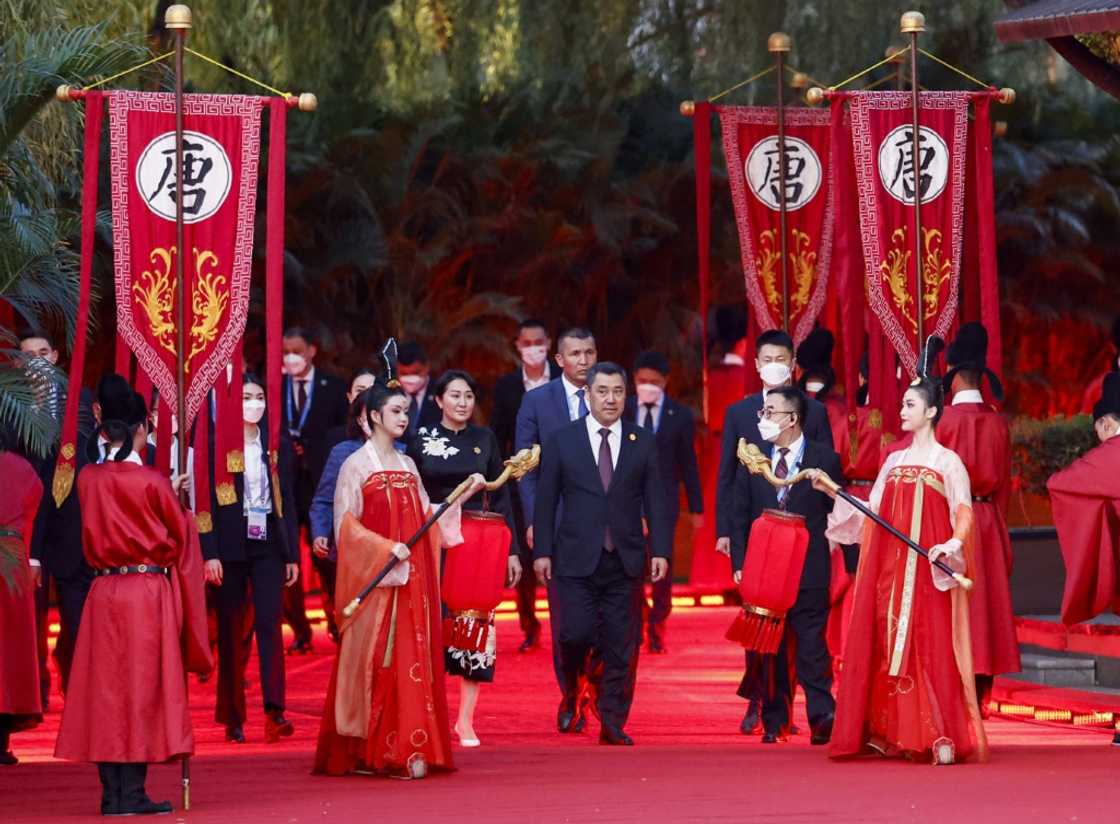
(445, 454)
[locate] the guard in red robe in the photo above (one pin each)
(981, 437)
(144, 623)
(1085, 498)
(20, 701)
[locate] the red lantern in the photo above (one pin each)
(771, 578)
(474, 575)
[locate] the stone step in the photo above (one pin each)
(1059, 671)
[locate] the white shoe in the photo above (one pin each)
(467, 742)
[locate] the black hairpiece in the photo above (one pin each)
(927, 358)
(389, 355)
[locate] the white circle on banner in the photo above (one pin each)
(896, 167)
(207, 176)
(803, 172)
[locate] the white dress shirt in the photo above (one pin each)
(572, 393)
(614, 439)
(533, 383)
(968, 396)
(655, 410)
(793, 457)
(308, 382)
(257, 493)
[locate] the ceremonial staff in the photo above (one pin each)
(913, 23)
(516, 467)
(779, 45)
(752, 458)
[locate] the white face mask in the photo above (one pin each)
(769, 430)
(252, 411)
(814, 386)
(413, 383)
(294, 364)
(533, 355)
(774, 373)
(649, 393)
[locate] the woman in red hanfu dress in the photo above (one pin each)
(386, 707)
(908, 686)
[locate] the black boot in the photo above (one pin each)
(134, 800)
(110, 788)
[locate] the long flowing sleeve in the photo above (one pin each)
(958, 494)
(845, 522)
(348, 490)
(450, 522)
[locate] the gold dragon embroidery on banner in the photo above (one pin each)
(936, 269)
(154, 291)
(803, 263)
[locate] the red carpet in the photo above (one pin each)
(690, 762)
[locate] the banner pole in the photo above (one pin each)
(779, 45)
(913, 23)
(178, 20)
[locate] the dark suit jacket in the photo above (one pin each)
(570, 490)
(227, 541)
(741, 421)
(676, 454)
(753, 493)
(508, 392)
(543, 411)
(430, 413)
(328, 409)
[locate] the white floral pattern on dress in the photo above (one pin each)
(436, 445)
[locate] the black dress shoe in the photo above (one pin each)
(821, 731)
(772, 738)
(530, 643)
(614, 737)
(277, 726)
(8, 759)
(300, 647)
(235, 735)
(750, 722)
(145, 806)
(656, 646)
(566, 715)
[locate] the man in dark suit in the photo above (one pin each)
(774, 362)
(56, 539)
(415, 375)
(791, 451)
(598, 476)
(536, 370)
(674, 427)
(545, 410)
(313, 402)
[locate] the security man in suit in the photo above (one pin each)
(598, 477)
(790, 451)
(313, 402)
(674, 426)
(536, 370)
(774, 362)
(416, 379)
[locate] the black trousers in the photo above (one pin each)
(71, 592)
(527, 586)
(601, 611)
(806, 623)
(121, 784)
(662, 599)
(264, 569)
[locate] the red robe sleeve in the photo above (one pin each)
(189, 583)
(1085, 498)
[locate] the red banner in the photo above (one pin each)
(750, 146)
(219, 172)
(888, 177)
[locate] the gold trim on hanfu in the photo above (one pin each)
(204, 521)
(63, 482)
(765, 613)
(235, 461)
(68, 451)
(226, 494)
(875, 419)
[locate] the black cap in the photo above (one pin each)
(969, 352)
(1109, 404)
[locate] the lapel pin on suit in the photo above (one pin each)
(633, 437)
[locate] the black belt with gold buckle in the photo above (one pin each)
(138, 569)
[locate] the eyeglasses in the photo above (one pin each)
(770, 413)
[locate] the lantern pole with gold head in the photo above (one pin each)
(751, 457)
(779, 45)
(516, 468)
(913, 23)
